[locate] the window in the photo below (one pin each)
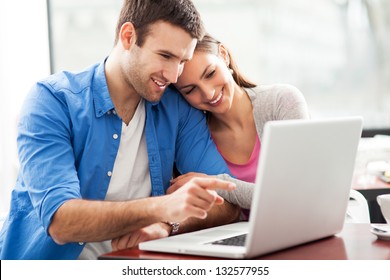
(337, 52)
(81, 32)
(23, 61)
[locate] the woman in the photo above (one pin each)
(236, 108)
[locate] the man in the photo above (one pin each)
(94, 145)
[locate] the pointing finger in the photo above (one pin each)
(213, 183)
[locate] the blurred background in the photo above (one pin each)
(337, 52)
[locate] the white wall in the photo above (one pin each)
(24, 58)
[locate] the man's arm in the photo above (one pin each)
(82, 221)
(218, 215)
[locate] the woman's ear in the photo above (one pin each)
(127, 35)
(223, 52)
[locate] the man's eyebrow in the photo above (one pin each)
(166, 52)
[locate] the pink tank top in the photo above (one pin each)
(247, 171)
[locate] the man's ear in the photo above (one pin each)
(223, 52)
(127, 35)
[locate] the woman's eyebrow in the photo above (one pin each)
(205, 71)
(190, 85)
(201, 77)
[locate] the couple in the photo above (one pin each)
(97, 148)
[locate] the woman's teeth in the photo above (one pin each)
(216, 99)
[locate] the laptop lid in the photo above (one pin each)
(303, 182)
(302, 189)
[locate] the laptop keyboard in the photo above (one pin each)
(238, 240)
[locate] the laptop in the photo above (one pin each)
(301, 192)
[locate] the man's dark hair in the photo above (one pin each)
(143, 13)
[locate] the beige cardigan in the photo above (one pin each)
(270, 102)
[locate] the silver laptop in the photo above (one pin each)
(302, 191)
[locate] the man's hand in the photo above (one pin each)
(154, 231)
(181, 180)
(194, 198)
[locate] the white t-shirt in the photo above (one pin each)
(130, 177)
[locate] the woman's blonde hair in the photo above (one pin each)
(211, 45)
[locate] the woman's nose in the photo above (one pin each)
(208, 93)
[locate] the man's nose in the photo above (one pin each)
(173, 72)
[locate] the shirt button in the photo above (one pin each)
(81, 243)
(114, 112)
(109, 173)
(115, 136)
(109, 112)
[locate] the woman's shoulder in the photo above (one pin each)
(275, 90)
(275, 93)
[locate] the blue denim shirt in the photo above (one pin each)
(68, 139)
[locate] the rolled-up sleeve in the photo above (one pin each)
(46, 154)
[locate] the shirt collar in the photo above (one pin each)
(101, 95)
